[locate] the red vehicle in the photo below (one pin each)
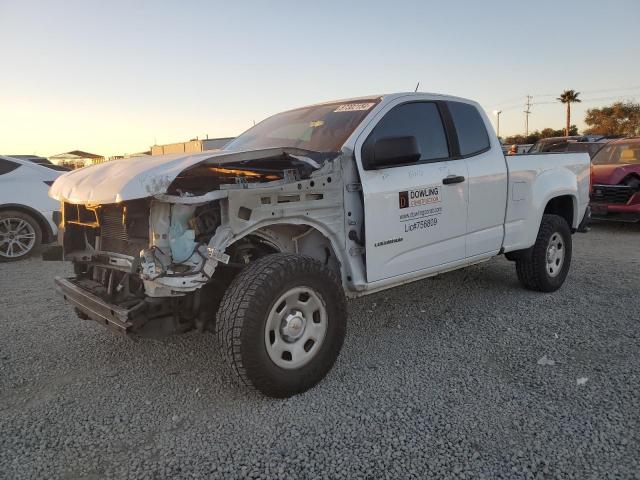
(615, 177)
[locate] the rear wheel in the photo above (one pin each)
(20, 235)
(544, 267)
(281, 324)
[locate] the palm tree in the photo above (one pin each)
(569, 97)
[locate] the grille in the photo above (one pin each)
(611, 194)
(124, 228)
(113, 224)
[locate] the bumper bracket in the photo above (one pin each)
(92, 306)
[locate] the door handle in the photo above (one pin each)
(451, 179)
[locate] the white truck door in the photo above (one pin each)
(415, 195)
(487, 179)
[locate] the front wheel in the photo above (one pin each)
(281, 323)
(544, 267)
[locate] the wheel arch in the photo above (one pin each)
(303, 237)
(565, 206)
(554, 191)
(47, 231)
(563, 203)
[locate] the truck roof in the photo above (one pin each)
(389, 96)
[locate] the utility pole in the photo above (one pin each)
(527, 112)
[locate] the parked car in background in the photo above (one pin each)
(522, 148)
(615, 192)
(41, 161)
(590, 144)
(28, 217)
(588, 147)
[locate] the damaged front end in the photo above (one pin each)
(620, 202)
(130, 257)
(160, 264)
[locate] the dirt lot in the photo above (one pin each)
(463, 375)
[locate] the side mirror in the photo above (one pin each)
(390, 151)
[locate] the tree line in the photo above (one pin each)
(619, 118)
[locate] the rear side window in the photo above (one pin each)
(472, 134)
(421, 120)
(6, 166)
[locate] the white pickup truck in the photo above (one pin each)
(263, 240)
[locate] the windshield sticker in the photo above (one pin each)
(354, 107)
(317, 123)
(420, 207)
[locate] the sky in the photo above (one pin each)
(116, 77)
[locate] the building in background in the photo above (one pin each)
(76, 159)
(192, 146)
(146, 153)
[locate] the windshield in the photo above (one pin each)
(535, 148)
(320, 128)
(619, 153)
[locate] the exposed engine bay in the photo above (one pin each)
(171, 254)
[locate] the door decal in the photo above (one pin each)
(419, 208)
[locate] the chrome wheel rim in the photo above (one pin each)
(555, 254)
(295, 328)
(17, 237)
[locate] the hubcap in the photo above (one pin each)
(295, 328)
(17, 237)
(555, 254)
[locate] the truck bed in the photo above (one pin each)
(533, 180)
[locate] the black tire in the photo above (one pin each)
(531, 265)
(11, 215)
(243, 314)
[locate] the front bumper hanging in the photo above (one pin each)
(95, 308)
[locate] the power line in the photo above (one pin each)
(511, 100)
(584, 100)
(598, 99)
(515, 101)
(612, 89)
(616, 97)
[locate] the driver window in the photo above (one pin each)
(419, 119)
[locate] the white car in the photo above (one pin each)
(28, 216)
(263, 240)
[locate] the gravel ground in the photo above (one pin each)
(464, 375)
